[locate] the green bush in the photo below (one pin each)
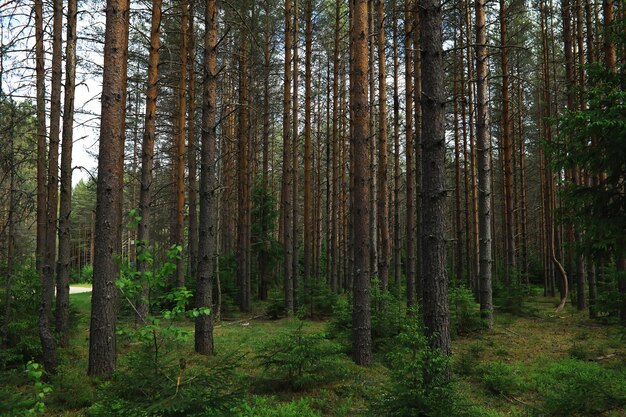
(23, 342)
(206, 387)
(420, 384)
(388, 315)
(501, 378)
(464, 312)
(579, 351)
(275, 308)
(322, 301)
(71, 389)
(85, 274)
(340, 324)
(269, 407)
(301, 360)
(467, 362)
(510, 299)
(575, 388)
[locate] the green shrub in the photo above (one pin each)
(501, 378)
(340, 323)
(467, 362)
(464, 311)
(71, 389)
(269, 407)
(510, 299)
(14, 402)
(579, 351)
(322, 301)
(575, 388)
(301, 360)
(22, 343)
(420, 383)
(388, 315)
(85, 274)
(206, 387)
(275, 306)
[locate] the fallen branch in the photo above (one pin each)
(239, 321)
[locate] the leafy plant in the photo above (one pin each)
(158, 331)
(35, 372)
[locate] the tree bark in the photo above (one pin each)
(179, 165)
(411, 232)
(109, 197)
(192, 157)
(295, 139)
(484, 167)
(306, 213)
(397, 258)
(287, 174)
(47, 283)
(508, 149)
(147, 158)
(208, 198)
(383, 202)
(243, 140)
(335, 223)
(362, 338)
(63, 268)
(435, 287)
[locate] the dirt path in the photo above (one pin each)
(74, 289)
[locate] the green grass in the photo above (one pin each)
(524, 346)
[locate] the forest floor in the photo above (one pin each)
(527, 365)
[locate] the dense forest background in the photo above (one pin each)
(373, 207)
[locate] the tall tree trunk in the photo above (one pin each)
(609, 43)
(484, 166)
(335, 223)
(306, 213)
(40, 62)
(243, 273)
(397, 258)
(147, 157)
(417, 146)
(264, 270)
(508, 149)
(102, 355)
(410, 163)
(287, 175)
(12, 207)
(295, 137)
(435, 287)
(63, 272)
(192, 157)
(383, 201)
(372, 151)
(43, 213)
(458, 243)
(361, 333)
(179, 166)
(208, 196)
(472, 244)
